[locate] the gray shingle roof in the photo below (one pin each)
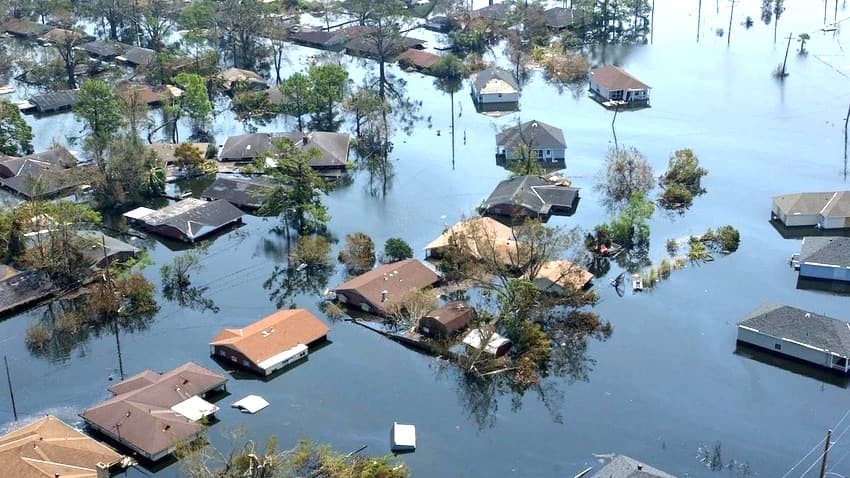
(35, 180)
(195, 218)
(55, 100)
(791, 323)
(536, 134)
(245, 147)
(558, 17)
(241, 192)
(622, 466)
(138, 55)
(332, 146)
(804, 203)
(480, 79)
(103, 48)
(832, 251)
(532, 193)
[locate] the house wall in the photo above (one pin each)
(835, 222)
(785, 347)
(599, 89)
(818, 271)
(237, 358)
(792, 220)
(548, 154)
(489, 98)
(510, 211)
(353, 299)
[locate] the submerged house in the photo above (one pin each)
(187, 220)
(613, 84)
(562, 277)
(245, 193)
(489, 342)
(375, 291)
(558, 18)
(100, 249)
(136, 56)
(50, 448)
(103, 49)
(25, 28)
(544, 141)
(47, 174)
(417, 59)
(151, 412)
(446, 320)
(232, 76)
(333, 148)
(823, 210)
(798, 334)
(472, 234)
(272, 343)
(825, 258)
(54, 101)
(141, 93)
(622, 466)
(531, 196)
(494, 86)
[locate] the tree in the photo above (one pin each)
(803, 38)
(385, 22)
(15, 133)
(296, 89)
(177, 283)
(188, 156)
(396, 249)
(155, 19)
(682, 180)
(412, 306)
(626, 172)
(194, 102)
(240, 23)
(297, 191)
(630, 228)
(66, 46)
(100, 110)
(358, 254)
(327, 90)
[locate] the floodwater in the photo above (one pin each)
(664, 387)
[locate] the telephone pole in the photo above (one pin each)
(729, 33)
(108, 280)
(699, 18)
(825, 451)
(11, 392)
(787, 48)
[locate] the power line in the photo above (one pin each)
(826, 451)
(815, 447)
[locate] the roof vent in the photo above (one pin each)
(248, 148)
(808, 315)
(640, 467)
(384, 294)
(534, 124)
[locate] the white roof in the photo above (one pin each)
(474, 339)
(403, 436)
(138, 213)
(194, 408)
(282, 357)
(251, 404)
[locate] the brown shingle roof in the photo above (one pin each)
(397, 279)
(454, 315)
(565, 274)
(615, 78)
(49, 448)
(418, 58)
(478, 236)
(274, 334)
(142, 419)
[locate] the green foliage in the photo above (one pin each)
(676, 196)
(449, 72)
(15, 133)
(682, 180)
(396, 249)
(297, 191)
(630, 228)
(327, 90)
(466, 40)
(626, 172)
(100, 111)
(296, 89)
(194, 102)
(672, 247)
(358, 254)
(313, 251)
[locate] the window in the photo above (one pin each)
(777, 346)
(500, 95)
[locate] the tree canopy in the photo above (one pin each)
(15, 133)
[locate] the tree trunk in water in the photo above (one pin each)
(699, 18)
(381, 80)
(452, 97)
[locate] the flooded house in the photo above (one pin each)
(151, 412)
(417, 59)
(331, 160)
(103, 49)
(494, 87)
(136, 56)
(164, 152)
(272, 343)
(188, 220)
(494, 12)
(50, 448)
(46, 174)
(798, 334)
(101, 250)
(558, 18)
(562, 277)
(622, 466)
(331, 40)
(25, 28)
(141, 93)
(613, 86)
(25, 289)
(471, 236)
(52, 102)
(231, 76)
(489, 342)
(823, 258)
(544, 141)
(248, 193)
(531, 197)
(822, 210)
(375, 291)
(447, 320)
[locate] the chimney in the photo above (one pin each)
(640, 467)
(102, 470)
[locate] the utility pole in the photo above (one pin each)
(11, 392)
(825, 451)
(114, 313)
(846, 120)
(652, 23)
(729, 33)
(699, 18)
(835, 18)
(785, 61)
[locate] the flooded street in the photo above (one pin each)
(666, 384)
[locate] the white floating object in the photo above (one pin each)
(5, 90)
(402, 437)
(195, 408)
(251, 404)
